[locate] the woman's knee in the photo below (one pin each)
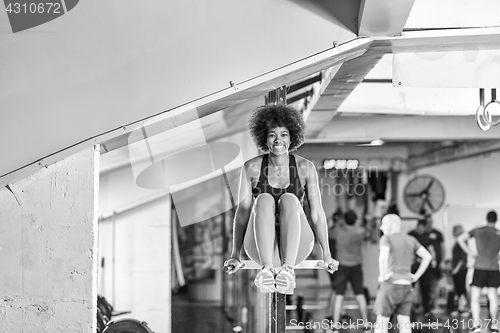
(289, 201)
(264, 201)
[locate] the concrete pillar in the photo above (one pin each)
(48, 250)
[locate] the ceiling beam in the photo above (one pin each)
(404, 128)
(383, 17)
(453, 153)
(347, 77)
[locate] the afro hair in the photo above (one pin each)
(270, 116)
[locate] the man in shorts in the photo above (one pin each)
(349, 241)
(394, 296)
(486, 268)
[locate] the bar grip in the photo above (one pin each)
(227, 268)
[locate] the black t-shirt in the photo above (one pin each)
(423, 238)
(458, 254)
(436, 240)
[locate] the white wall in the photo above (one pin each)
(48, 255)
(139, 241)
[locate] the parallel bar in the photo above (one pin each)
(306, 264)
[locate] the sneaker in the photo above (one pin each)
(476, 329)
(465, 314)
(454, 313)
(265, 280)
(285, 280)
(494, 328)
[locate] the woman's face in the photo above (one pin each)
(278, 140)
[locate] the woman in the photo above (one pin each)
(270, 220)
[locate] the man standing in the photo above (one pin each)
(459, 267)
(394, 296)
(437, 242)
(426, 282)
(486, 269)
(349, 240)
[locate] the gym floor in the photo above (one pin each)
(197, 317)
(208, 317)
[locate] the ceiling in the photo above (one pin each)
(391, 69)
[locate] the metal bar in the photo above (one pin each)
(280, 312)
(306, 264)
(263, 304)
(305, 83)
(300, 96)
(376, 81)
(277, 96)
(113, 259)
(276, 309)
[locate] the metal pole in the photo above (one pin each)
(270, 311)
(113, 259)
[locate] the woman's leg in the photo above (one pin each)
(260, 241)
(264, 228)
(251, 247)
(296, 239)
(290, 228)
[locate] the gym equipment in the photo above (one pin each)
(106, 325)
(273, 316)
(127, 326)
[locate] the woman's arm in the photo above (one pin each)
(241, 217)
(318, 214)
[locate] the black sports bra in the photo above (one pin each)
(294, 187)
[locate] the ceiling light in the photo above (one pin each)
(377, 142)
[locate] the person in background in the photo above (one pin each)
(336, 221)
(486, 269)
(349, 240)
(427, 279)
(334, 224)
(437, 242)
(459, 267)
(471, 261)
(394, 296)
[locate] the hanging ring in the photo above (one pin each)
(482, 122)
(494, 100)
(483, 119)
